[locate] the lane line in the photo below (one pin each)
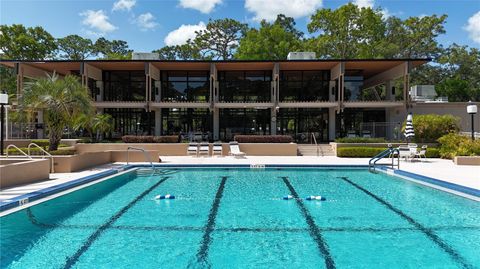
(314, 231)
(93, 237)
(428, 232)
(207, 236)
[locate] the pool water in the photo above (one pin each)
(236, 218)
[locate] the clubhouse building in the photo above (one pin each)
(219, 99)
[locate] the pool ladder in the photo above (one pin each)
(29, 155)
(391, 152)
(144, 154)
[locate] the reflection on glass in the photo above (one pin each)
(359, 122)
(245, 86)
(304, 85)
(301, 123)
(124, 85)
(186, 122)
(131, 121)
(182, 86)
(243, 121)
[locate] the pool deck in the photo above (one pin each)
(445, 170)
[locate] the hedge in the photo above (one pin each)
(360, 140)
(263, 138)
(38, 152)
(452, 145)
(369, 152)
(151, 139)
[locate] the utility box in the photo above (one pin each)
(145, 56)
(301, 55)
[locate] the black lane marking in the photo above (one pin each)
(314, 231)
(73, 259)
(428, 232)
(207, 238)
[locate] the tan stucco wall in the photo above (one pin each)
(72, 163)
(467, 160)
(270, 149)
(20, 171)
(133, 156)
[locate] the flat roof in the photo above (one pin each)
(369, 66)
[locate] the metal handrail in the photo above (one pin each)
(144, 153)
(52, 170)
(315, 140)
(19, 150)
(388, 152)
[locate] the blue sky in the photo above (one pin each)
(150, 24)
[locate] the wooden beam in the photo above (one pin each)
(391, 74)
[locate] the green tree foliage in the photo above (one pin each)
(112, 50)
(74, 47)
(21, 43)
(61, 100)
(430, 127)
(220, 38)
(453, 144)
(272, 41)
(179, 52)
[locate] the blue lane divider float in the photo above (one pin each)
(317, 197)
(166, 197)
(288, 197)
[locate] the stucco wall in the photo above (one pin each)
(20, 171)
(72, 163)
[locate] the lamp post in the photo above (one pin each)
(472, 110)
(3, 102)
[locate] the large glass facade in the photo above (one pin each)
(124, 85)
(354, 91)
(185, 86)
(361, 122)
(131, 121)
(187, 122)
(245, 86)
(235, 121)
(304, 85)
(301, 123)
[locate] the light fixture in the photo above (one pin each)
(3, 102)
(472, 110)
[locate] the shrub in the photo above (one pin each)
(263, 138)
(452, 145)
(63, 152)
(41, 142)
(38, 152)
(360, 140)
(358, 152)
(150, 139)
(430, 127)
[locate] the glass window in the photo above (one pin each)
(304, 85)
(193, 86)
(187, 122)
(243, 121)
(124, 86)
(301, 123)
(131, 121)
(357, 122)
(245, 86)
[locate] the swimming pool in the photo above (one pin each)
(236, 218)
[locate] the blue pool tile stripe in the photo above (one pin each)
(314, 231)
(93, 237)
(428, 232)
(33, 196)
(212, 216)
(437, 182)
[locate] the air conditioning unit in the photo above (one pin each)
(145, 56)
(423, 93)
(301, 55)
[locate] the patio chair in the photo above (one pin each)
(204, 149)
(422, 153)
(192, 149)
(351, 134)
(217, 149)
(235, 150)
(366, 134)
(406, 152)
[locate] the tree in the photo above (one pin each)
(347, 32)
(272, 41)
(75, 47)
(61, 100)
(20, 43)
(101, 124)
(220, 38)
(179, 52)
(115, 49)
(457, 90)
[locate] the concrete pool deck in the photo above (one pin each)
(445, 170)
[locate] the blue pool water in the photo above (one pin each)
(235, 218)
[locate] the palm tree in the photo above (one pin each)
(61, 100)
(102, 123)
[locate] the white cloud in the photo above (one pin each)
(364, 3)
(183, 33)
(146, 21)
(385, 13)
(204, 6)
(124, 5)
(97, 21)
(269, 9)
(473, 27)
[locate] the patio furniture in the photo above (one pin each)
(192, 149)
(366, 134)
(406, 152)
(235, 149)
(422, 153)
(204, 149)
(217, 149)
(351, 134)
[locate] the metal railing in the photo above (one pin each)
(18, 149)
(144, 153)
(391, 153)
(45, 153)
(316, 145)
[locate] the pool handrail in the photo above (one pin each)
(18, 149)
(52, 169)
(390, 151)
(144, 153)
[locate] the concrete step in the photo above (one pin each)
(311, 150)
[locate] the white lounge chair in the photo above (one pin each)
(421, 153)
(192, 149)
(204, 149)
(217, 149)
(235, 150)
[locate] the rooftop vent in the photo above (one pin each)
(301, 55)
(145, 56)
(425, 93)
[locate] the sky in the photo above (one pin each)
(151, 24)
